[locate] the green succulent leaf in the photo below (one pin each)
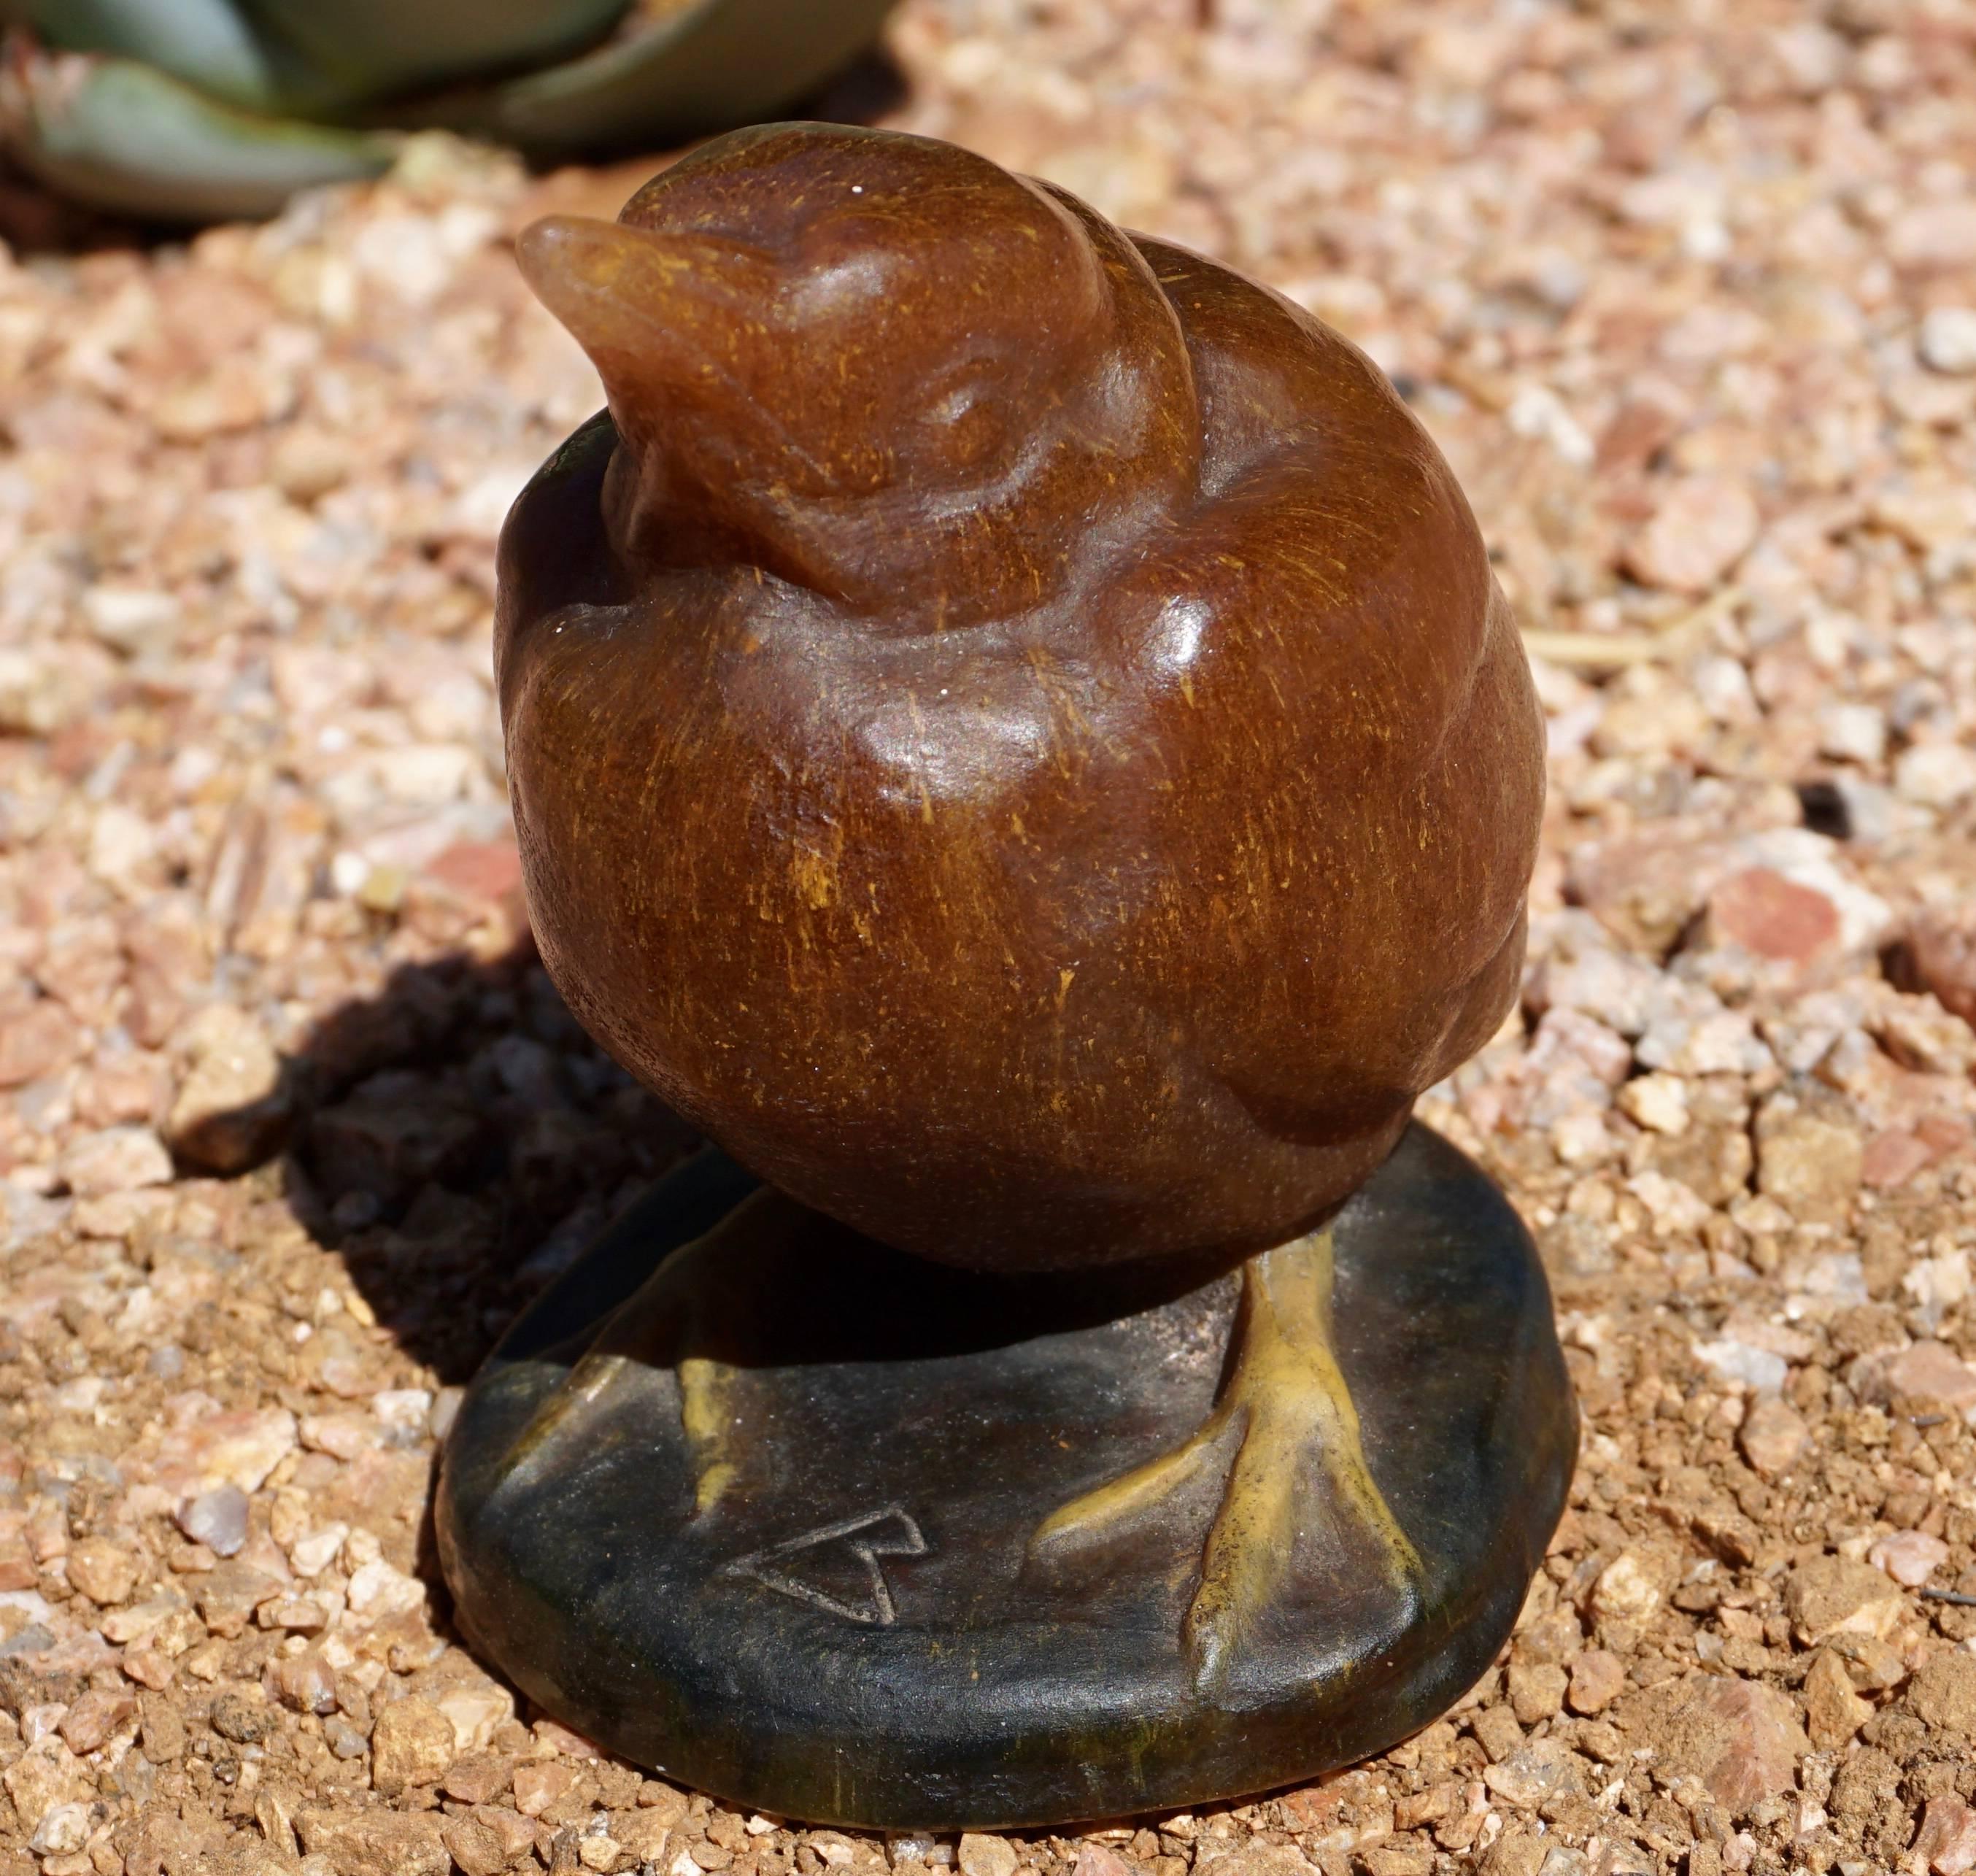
(316, 57)
(205, 43)
(125, 137)
(360, 51)
(200, 110)
(707, 66)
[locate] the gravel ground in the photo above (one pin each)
(291, 1123)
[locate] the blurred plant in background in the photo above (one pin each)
(206, 109)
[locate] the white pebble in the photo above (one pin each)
(402, 1406)
(313, 1553)
(1852, 733)
(62, 1831)
(130, 619)
(1659, 1102)
(1948, 340)
(1760, 1369)
(1936, 775)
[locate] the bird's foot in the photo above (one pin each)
(691, 1316)
(1287, 1395)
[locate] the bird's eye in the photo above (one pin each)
(966, 423)
(954, 407)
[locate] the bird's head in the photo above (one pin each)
(876, 366)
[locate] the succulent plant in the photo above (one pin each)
(203, 109)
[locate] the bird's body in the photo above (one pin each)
(1012, 727)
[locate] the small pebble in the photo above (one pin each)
(1909, 1557)
(1949, 340)
(344, 1739)
(217, 1519)
(1659, 1102)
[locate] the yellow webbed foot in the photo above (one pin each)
(1287, 1395)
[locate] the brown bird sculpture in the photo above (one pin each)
(1013, 732)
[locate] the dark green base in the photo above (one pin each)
(855, 1633)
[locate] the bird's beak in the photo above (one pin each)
(659, 314)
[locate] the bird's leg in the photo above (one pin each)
(708, 1419)
(1287, 1393)
(695, 1302)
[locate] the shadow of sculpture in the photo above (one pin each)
(460, 1141)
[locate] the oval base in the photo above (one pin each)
(825, 1600)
